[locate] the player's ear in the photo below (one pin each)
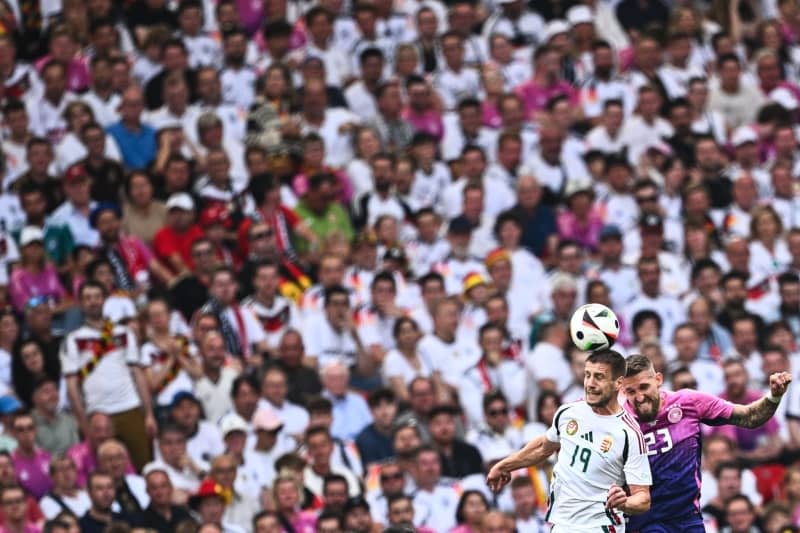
(659, 378)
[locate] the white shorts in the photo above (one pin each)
(593, 529)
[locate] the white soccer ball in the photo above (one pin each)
(594, 327)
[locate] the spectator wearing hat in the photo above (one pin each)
(236, 431)
(162, 515)
(136, 140)
(56, 430)
(204, 440)
(210, 503)
(35, 276)
(493, 372)
(172, 244)
(473, 314)
(375, 440)
(746, 159)
(271, 443)
(100, 487)
(75, 210)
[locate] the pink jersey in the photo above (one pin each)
(674, 447)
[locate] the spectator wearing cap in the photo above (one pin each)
(236, 431)
(172, 244)
(35, 276)
(131, 260)
(618, 277)
(65, 494)
(474, 296)
(56, 430)
(493, 372)
(161, 515)
(75, 210)
(136, 140)
(210, 503)
(241, 505)
(271, 443)
(143, 214)
(204, 440)
(174, 459)
(320, 212)
(375, 440)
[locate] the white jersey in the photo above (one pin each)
(596, 452)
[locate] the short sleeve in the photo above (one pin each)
(553, 433)
(637, 467)
(711, 410)
(255, 332)
(131, 349)
(70, 357)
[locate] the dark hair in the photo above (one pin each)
(333, 291)
(170, 428)
(493, 396)
(637, 364)
(330, 515)
(317, 430)
(430, 277)
(381, 395)
(543, 397)
(319, 404)
(463, 502)
(241, 381)
(611, 358)
(400, 322)
(368, 53)
(727, 465)
(277, 28)
(315, 12)
(644, 315)
(334, 478)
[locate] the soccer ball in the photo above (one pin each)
(593, 327)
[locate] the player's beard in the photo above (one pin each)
(651, 406)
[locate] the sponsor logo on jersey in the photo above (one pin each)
(606, 444)
(572, 427)
(675, 414)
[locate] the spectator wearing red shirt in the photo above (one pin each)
(172, 244)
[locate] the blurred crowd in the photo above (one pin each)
(291, 266)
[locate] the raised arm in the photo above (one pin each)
(535, 452)
(757, 413)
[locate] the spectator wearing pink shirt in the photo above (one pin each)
(64, 48)
(546, 82)
(84, 454)
(34, 276)
(31, 463)
(582, 220)
(421, 111)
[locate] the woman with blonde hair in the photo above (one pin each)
(287, 494)
(769, 254)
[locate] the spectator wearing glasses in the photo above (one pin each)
(189, 293)
(495, 437)
(12, 500)
(30, 462)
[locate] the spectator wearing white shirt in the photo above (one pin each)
(46, 110)
(274, 391)
(464, 128)
(203, 49)
(209, 99)
(646, 128)
(668, 308)
(350, 411)
(271, 443)
(520, 25)
(607, 135)
(237, 77)
(334, 125)
(360, 95)
(554, 166)
(101, 96)
(514, 69)
(498, 196)
(319, 25)
(454, 81)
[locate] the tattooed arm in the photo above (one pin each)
(758, 412)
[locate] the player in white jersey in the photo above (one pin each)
(602, 472)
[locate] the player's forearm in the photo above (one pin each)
(637, 503)
(754, 414)
(534, 453)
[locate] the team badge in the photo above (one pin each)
(572, 427)
(606, 444)
(675, 414)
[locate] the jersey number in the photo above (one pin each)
(583, 455)
(650, 439)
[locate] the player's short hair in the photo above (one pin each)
(611, 358)
(637, 364)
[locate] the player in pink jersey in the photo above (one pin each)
(670, 423)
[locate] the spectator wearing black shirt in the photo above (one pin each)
(458, 458)
(161, 515)
(174, 58)
(375, 441)
(101, 493)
